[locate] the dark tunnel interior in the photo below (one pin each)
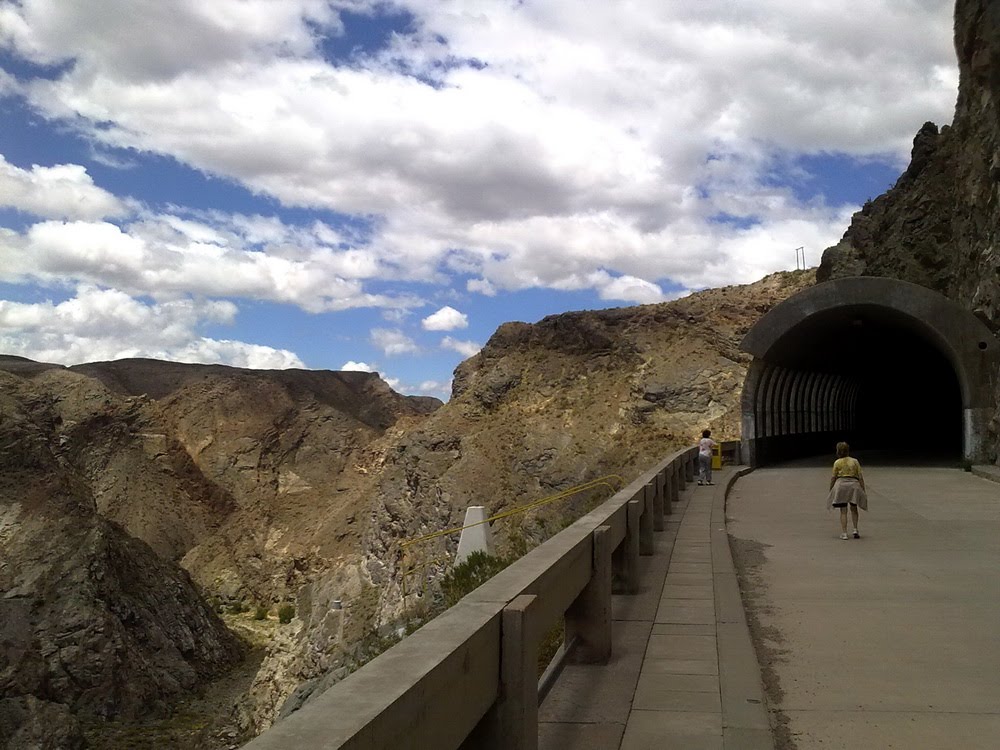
(907, 404)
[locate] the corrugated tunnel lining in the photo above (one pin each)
(884, 364)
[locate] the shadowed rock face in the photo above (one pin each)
(939, 225)
(363, 396)
(92, 621)
(248, 479)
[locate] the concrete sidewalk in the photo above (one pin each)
(683, 672)
(889, 641)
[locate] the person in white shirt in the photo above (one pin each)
(705, 446)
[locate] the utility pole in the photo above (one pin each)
(800, 259)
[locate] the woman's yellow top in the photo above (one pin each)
(847, 467)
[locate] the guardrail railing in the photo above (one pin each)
(467, 679)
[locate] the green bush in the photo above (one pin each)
(260, 613)
(470, 575)
(549, 644)
(237, 608)
(285, 613)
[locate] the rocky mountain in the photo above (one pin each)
(131, 490)
(939, 225)
(92, 621)
(266, 487)
(547, 406)
(542, 408)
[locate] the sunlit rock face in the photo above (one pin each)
(133, 491)
(938, 225)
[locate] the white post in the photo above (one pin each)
(474, 538)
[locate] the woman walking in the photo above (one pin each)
(705, 446)
(847, 488)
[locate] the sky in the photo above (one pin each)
(346, 184)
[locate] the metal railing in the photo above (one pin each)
(467, 679)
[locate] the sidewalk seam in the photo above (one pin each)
(745, 716)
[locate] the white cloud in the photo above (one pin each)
(149, 39)
(482, 286)
(395, 315)
(63, 191)
(103, 324)
(8, 84)
(352, 366)
(465, 348)
(445, 319)
(393, 341)
(219, 256)
(434, 388)
(590, 150)
(631, 289)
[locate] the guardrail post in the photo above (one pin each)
(589, 617)
(671, 478)
(519, 675)
(658, 510)
(668, 508)
(512, 722)
(626, 557)
(646, 521)
(689, 467)
(681, 475)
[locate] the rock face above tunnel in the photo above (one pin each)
(938, 225)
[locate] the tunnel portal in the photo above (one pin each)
(886, 365)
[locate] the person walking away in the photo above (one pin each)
(847, 488)
(705, 446)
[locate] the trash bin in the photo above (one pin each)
(717, 456)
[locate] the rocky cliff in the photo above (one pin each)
(114, 474)
(939, 225)
(300, 486)
(92, 621)
(542, 408)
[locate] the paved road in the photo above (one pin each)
(889, 641)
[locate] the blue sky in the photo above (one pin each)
(379, 185)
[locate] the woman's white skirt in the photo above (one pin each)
(848, 490)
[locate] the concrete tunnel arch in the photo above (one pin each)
(885, 364)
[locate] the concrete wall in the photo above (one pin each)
(788, 413)
(467, 679)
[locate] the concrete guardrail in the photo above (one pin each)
(467, 679)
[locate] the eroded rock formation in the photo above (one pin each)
(114, 475)
(939, 224)
(92, 620)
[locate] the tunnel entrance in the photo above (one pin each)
(893, 368)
